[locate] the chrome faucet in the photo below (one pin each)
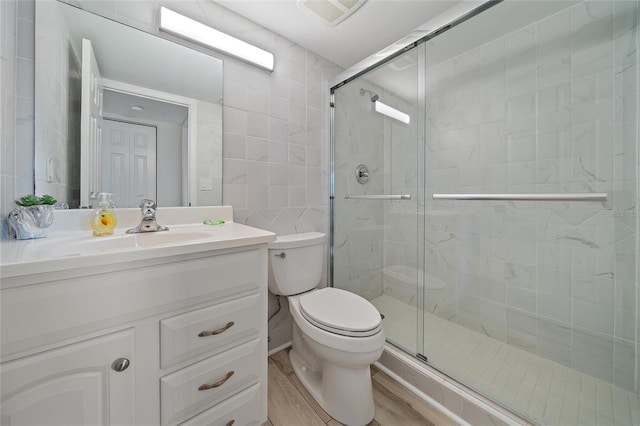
(148, 223)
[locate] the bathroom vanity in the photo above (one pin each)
(160, 329)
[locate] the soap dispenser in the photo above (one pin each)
(104, 218)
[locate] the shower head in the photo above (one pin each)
(372, 96)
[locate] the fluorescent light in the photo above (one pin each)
(392, 112)
(179, 25)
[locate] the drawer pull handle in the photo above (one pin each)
(231, 422)
(218, 331)
(217, 384)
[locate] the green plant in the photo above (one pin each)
(33, 200)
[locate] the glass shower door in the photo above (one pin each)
(378, 187)
(534, 303)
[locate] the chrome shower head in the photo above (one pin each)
(372, 96)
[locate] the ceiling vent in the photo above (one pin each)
(330, 12)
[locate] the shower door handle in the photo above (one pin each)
(379, 197)
(581, 196)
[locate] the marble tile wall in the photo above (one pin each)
(358, 224)
(209, 154)
(276, 125)
(403, 228)
(377, 241)
(16, 103)
(373, 234)
(551, 107)
(57, 81)
(637, 298)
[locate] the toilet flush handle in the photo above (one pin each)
(281, 255)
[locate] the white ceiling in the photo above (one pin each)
(119, 104)
(374, 26)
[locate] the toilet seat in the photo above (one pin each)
(340, 312)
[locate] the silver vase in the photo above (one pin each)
(30, 222)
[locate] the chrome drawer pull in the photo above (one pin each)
(120, 364)
(218, 331)
(230, 422)
(217, 384)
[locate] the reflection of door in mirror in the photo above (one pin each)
(128, 162)
(90, 126)
(169, 121)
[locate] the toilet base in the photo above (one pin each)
(346, 394)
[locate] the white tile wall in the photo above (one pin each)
(16, 105)
(375, 236)
(56, 81)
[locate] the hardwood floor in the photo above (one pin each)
(290, 404)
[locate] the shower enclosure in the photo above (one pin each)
(496, 230)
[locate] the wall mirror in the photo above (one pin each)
(123, 111)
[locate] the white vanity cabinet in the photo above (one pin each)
(176, 337)
(71, 385)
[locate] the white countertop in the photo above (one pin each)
(68, 248)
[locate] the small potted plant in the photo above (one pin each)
(32, 216)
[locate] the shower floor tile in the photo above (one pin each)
(537, 388)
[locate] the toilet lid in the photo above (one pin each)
(340, 312)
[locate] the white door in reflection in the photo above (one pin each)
(128, 162)
(91, 127)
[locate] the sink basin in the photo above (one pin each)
(71, 246)
(147, 239)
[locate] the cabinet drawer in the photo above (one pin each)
(204, 384)
(210, 329)
(239, 410)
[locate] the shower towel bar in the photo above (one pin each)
(596, 196)
(378, 197)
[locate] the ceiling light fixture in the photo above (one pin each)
(187, 28)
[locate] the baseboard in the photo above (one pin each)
(279, 348)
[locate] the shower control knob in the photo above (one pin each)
(362, 174)
(120, 364)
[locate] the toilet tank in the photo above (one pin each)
(295, 263)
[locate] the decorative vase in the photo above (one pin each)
(30, 222)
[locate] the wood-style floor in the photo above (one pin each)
(290, 404)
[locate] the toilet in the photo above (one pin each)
(337, 335)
